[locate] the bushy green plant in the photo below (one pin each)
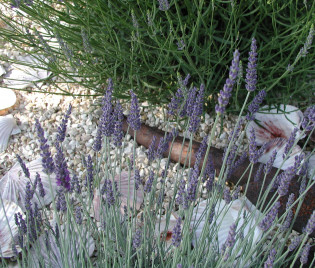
(129, 239)
(143, 45)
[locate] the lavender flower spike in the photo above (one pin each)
(290, 142)
(63, 126)
(308, 122)
(304, 50)
(62, 172)
(23, 166)
(197, 110)
(134, 116)
(177, 233)
(151, 150)
(225, 94)
(148, 185)
(271, 259)
(118, 132)
(137, 239)
(106, 121)
(305, 253)
(164, 5)
(251, 73)
(47, 160)
(266, 223)
(254, 106)
(310, 226)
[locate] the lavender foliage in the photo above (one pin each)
(47, 160)
(164, 5)
(61, 132)
(251, 73)
(134, 115)
(89, 175)
(225, 94)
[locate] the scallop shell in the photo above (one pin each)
(123, 190)
(273, 123)
(13, 184)
(7, 127)
(52, 257)
(6, 240)
(26, 73)
(240, 211)
(279, 144)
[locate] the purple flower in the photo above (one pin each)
(310, 226)
(164, 5)
(28, 196)
(308, 122)
(285, 179)
(108, 190)
(61, 204)
(230, 241)
(239, 161)
(75, 185)
(209, 169)
(286, 224)
(254, 153)
(47, 160)
(302, 186)
(179, 266)
(23, 166)
(89, 174)
(270, 162)
(236, 193)
(148, 185)
(251, 73)
(63, 126)
(181, 198)
(227, 195)
(78, 216)
(137, 178)
(40, 185)
(97, 146)
(266, 223)
(305, 253)
(290, 142)
(254, 106)
(225, 94)
(201, 151)
(304, 50)
(190, 102)
(197, 111)
(61, 170)
(134, 115)
(177, 233)
(106, 121)
(151, 150)
(118, 132)
(271, 258)
(258, 173)
(175, 102)
(192, 184)
(294, 244)
(163, 145)
(137, 238)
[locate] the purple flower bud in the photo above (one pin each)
(106, 121)
(148, 185)
(295, 242)
(251, 73)
(285, 179)
(118, 132)
(225, 94)
(40, 185)
(254, 106)
(75, 185)
(137, 178)
(47, 160)
(201, 151)
(290, 142)
(190, 102)
(61, 204)
(270, 162)
(305, 253)
(151, 150)
(177, 233)
(108, 190)
(181, 198)
(164, 5)
(227, 195)
(310, 226)
(258, 173)
(61, 169)
(163, 145)
(236, 193)
(175, 102)
(271, 258)
(197, 111)
(286, 224)
(266, 223)
(308, 122)
(254, 153)
(97, 146)
(89, 175)
(302, 186)
(23, 166)
(134, 115)
(137, 239)
(230, 240)
(63, 126)
(78, 216)
(28, 196)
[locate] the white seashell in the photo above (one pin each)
(10, 209)
(241, 212)
(275, 123)
(122, 186)
(26, 72)
(7, 127)
(279, 144)
(7, 98)
(2, 70)
(77, 241)
(13, 184)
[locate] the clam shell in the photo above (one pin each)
(240, 211)
(6, 240)
(122, 186)
(13, 184)
(275, 123)
(42, 256)
(279, 144)
(7, 127)
(7, 98)
(26, 73)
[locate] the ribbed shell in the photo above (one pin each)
(8, 127)
(13, 184)
(10, 209)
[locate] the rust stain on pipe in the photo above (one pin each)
(146, 133)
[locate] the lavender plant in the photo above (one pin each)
(98, 212)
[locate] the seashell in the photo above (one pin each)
(2, 70)
(122, 186)
(44, 254)
(7, 127)
(6, 240)
(275, 123)
(240, 211)
(7, 99)
(279, 144)
(13, 184)
(160, 228)
(26, 72)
